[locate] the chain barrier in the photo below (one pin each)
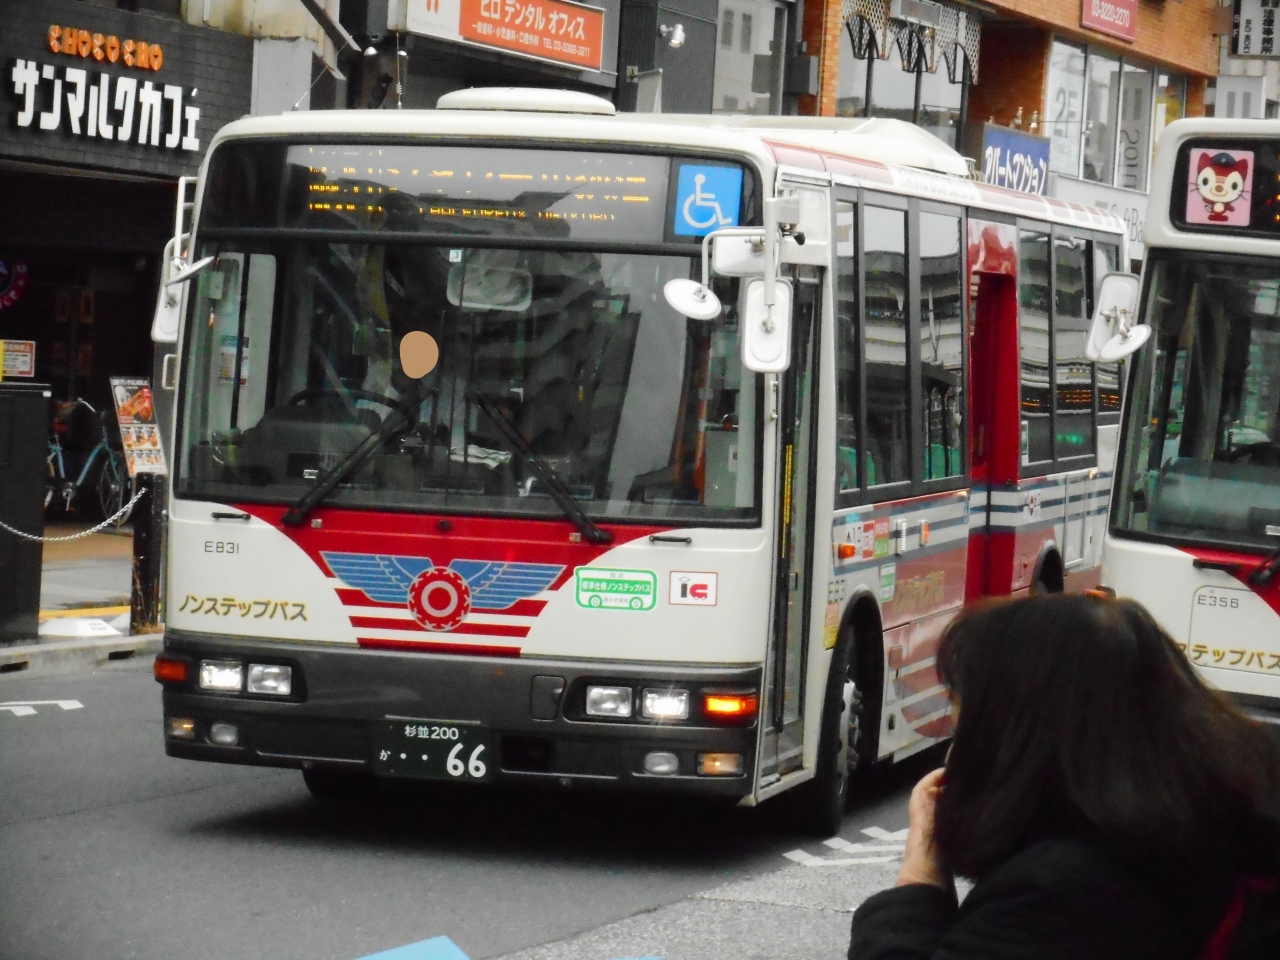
(137, 495)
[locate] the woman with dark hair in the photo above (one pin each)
(1105, 801)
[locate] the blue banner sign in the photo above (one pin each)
(1014, 159)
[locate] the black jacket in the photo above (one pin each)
(1056, 900)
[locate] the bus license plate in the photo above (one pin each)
(432, 749)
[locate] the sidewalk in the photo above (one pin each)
(84, 606)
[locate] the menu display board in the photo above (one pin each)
(139, 432)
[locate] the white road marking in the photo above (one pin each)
(879, 833)
(25, 708)
(809, 860)
(840, 843)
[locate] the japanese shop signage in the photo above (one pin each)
(84, 85)
(1013, 159)
(554, 30)
(17, 358)
(1253, 28)
(94, 104)
(1129, 205)
(1116, 18)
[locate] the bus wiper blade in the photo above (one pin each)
(398, 420)
(558, 491)
(1266, 571)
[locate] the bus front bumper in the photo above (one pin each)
(341, 695)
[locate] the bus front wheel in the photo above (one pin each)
(827, 795)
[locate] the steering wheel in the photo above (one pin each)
(1263, 454)
(310, 393)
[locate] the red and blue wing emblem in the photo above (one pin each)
(489, 597)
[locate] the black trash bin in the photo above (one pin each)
(24, 446)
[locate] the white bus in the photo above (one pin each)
(1195, 529)
(629, 522)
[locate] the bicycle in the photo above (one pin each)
(113, 481)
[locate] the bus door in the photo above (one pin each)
(783, 745)
(992, 257)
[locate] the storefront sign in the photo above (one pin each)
(1253, 28)
(51, 97)
(84, 85)
(139, 433)
(13, 281)
(1129, 205)
(1013, 159)
(17, 358)
(555, 30)
(1116, 18)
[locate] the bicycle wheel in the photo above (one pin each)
(114, 488)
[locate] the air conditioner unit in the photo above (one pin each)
(921, 12)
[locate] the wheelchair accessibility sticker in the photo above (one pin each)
(707, 198)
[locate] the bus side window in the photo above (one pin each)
(1073, 373)
(847, 354)
(941, 346)
(885, 319)
(1033, 347)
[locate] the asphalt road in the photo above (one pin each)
(109, 849)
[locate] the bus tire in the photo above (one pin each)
(337, 786)
(826, 796)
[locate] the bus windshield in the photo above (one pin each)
(292, 359)
(1203, 455)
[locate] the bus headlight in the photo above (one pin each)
(270, 678)
(226, 675)
(608, 701)
(665, 704)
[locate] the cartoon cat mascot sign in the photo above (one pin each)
(1221, 181)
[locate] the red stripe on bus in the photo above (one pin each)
(432, 646)
(922, 708)
(917, 682)
(521, 608)
(1244, 564)
(939, 727)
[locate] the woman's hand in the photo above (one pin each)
(920, 863)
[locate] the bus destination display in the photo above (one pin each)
(477, 191)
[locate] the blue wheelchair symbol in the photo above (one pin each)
(707, 198)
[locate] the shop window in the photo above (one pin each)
(1102, 95)
(1065, 107)
(1033, 346)
(1073, 373)
(1171, 100)
(848, 355)
(1135, 128)
(726, 29)
(886, 328)
(941, 345)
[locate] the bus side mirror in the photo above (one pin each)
(1114, 333)
(766, 328)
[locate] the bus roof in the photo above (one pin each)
(872, 153)
(1159, 230)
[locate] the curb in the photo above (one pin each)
(74, 656)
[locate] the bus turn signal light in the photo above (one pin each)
(846, 551)
(730, 706)
(169, 671)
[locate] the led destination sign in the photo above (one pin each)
(450, 190)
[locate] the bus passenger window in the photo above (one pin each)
(1073, 373)
(1033, 346)
(885, 319)
(941, 346)
(847, 360)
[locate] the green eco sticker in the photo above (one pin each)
(888, 581)
(605, 589)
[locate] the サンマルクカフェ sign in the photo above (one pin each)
(91, 86)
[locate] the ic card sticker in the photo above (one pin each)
(603, 588)
(693, 588)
